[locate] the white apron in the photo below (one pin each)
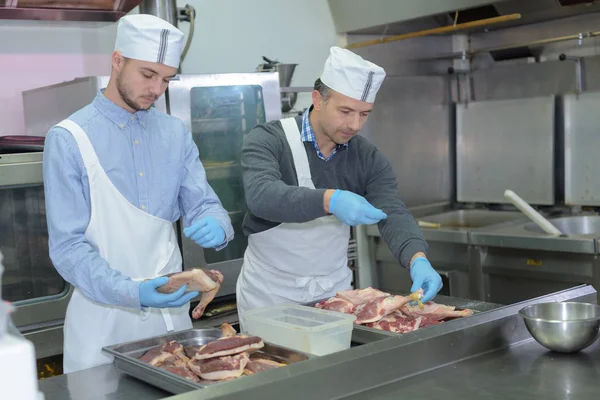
(138, 245)
(295, 262)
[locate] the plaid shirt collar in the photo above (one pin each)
(308, 135)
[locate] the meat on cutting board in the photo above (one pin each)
(435, 311)
(336, 304)
(202, 280)
(220, 368)
(229, 345)
(361, 296)
(376, 309)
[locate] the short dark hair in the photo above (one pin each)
(323, 89)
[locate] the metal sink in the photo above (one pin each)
(576, 225)
(473, 219)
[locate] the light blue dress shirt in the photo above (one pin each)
(151, 159)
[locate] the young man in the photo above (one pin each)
(117, 175)
(307, 180)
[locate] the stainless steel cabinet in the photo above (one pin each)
(219, 110)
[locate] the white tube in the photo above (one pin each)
(425, 224)
(531, 213)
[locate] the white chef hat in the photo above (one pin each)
(351, 75)
(149, 38)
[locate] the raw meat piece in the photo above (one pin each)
(181, 370)
(261, 364)
(435, 311)
(376, 309)
(220, 368)
(202, 280)
(397, 323)
(337, 304)
(227, 330)
(176, 349)
(157, 356)
(361, 296)
(197, 279)
(191, 351)
(228, 346)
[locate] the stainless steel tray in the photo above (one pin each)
(126, 358)
(363, 334)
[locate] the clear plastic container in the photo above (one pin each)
(307, 329)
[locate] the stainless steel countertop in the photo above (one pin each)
(476, 355)
(524, 371)
(103, 382)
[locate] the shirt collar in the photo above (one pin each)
(113, 112)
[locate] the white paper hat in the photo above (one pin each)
(351, 75)
(149, 38)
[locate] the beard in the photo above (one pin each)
(126, 95)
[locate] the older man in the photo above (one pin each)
(117, 174)
(307, 180)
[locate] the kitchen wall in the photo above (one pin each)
(409, 123)
(230, 36)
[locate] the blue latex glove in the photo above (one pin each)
(353, 209)
(424, 276)
(207, 232)
(149, 297)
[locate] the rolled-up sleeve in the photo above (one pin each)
(68, 213)
(196, 197)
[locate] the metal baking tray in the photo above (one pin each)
(126, 358)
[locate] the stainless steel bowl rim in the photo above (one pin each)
(557, 321)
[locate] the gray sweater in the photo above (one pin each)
(273, 195)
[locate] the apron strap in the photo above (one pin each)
(83, 142)
(294, 139)
(168, 320)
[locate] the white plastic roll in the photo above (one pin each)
(531, 213)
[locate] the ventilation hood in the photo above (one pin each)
(380, 17)
(74, 10)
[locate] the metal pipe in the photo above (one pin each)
(165, 9)
(460, 55)
(578, 70)
(190, 13)
(443, 29)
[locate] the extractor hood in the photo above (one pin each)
(74, 10)
(397, 17)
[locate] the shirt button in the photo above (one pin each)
(135, 141)
(132, 117)
(143, 124)
(143, 207)
(141, 174)
(121, 126)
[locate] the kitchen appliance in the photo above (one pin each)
(286, 71)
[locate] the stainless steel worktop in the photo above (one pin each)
(524, 371)
(489, 355)
(103, 382)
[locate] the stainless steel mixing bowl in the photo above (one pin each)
(564, 327)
